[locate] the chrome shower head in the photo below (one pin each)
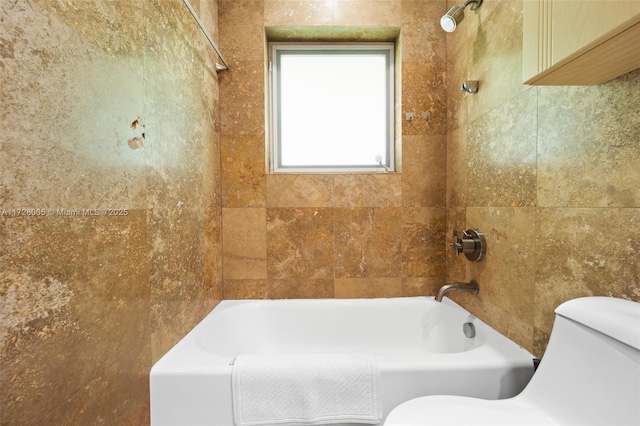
(455, 15)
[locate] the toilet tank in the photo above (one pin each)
(590, 373)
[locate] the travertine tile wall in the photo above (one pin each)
(115, 105)
(537, 169)
(349, 235)
(105, 105)
(550, 174)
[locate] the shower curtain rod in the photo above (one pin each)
(206, 34)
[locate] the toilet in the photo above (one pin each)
(590, 375)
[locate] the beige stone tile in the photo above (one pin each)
(421, 286)
(171, 141)
(349, 288)
(180, 293)
(423, 249)
(300, 243)
(245, 289)
(287, 288)
(213, 249)
(69, 282)
(115, 36)
(298, 12)
(368, 190)
(241, 30)
(176, 254)
(243, 178)
(456, 168)
(368, 242)
(107, 112)
(456, 264)
(506, 277)
(172, 319)
(123, 390)
(172, 59)
(67, 124)
(457, 73)
(423, 171)
(367, 13)
(240, 13)
(422, 38)
(244, 243)
(496, 59)
(242, 90)
(540, 342)
(241, 43)
(501, 155)
(299, 190)
(423, 91)
(585, 252)
(551, 294)
(587, 144)
(295, 288)
(571, 143)
(209, 11)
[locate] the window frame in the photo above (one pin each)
(276, 50)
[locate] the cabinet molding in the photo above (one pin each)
(579, 43)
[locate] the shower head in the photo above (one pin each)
(455, 15)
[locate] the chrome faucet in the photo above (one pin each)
(470, 287)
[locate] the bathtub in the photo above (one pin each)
(419, 345)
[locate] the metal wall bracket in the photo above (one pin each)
(470, 86)
(472, 244)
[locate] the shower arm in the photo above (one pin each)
(476, 4)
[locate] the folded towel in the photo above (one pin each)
(305, 389)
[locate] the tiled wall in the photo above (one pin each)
(115, 105)
(349, 235)
(550, 174)
(104, 105)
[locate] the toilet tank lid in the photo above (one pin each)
(616, 318)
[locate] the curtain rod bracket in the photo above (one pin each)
(219, 67)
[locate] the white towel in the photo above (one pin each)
(305, 389)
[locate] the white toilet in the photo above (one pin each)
(590, 375)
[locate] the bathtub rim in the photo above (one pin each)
(188, 357)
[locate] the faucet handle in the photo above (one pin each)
(472, 244)
(457, 243)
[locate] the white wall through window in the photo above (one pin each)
(332, 107)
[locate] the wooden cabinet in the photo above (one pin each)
(579, 42)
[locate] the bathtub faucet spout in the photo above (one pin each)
(470, 287)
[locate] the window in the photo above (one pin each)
(332, 107)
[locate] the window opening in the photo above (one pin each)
(332, 107)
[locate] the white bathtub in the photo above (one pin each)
(419, 345)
